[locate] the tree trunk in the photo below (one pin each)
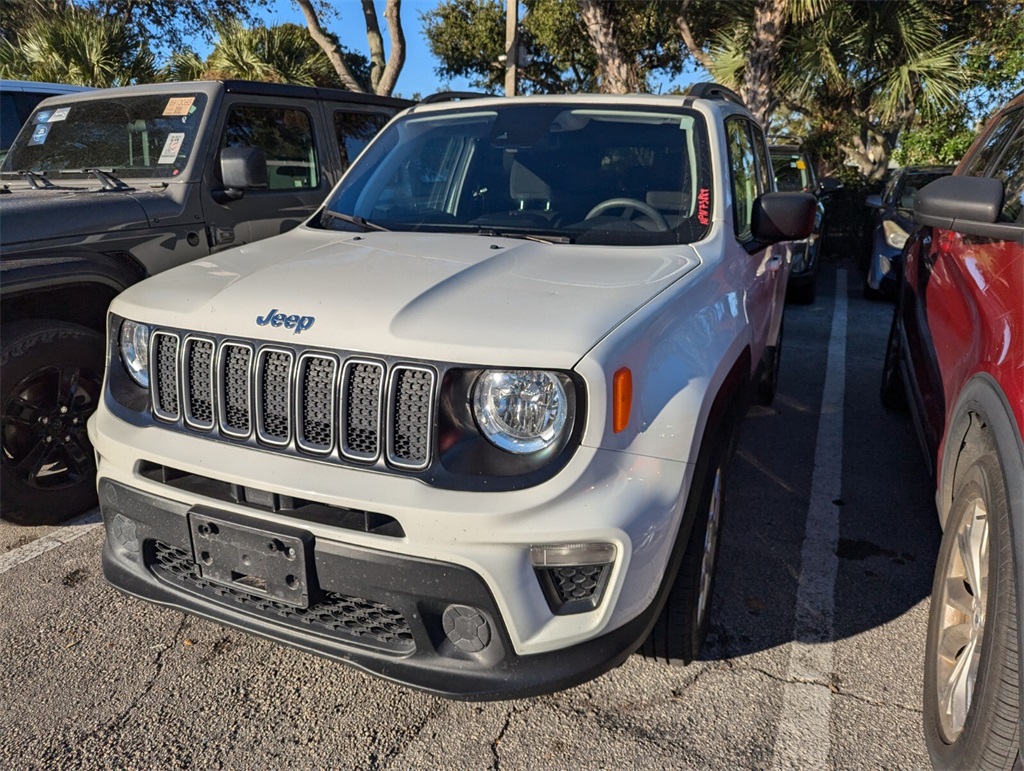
(386, 84)
(758, 87)
(617, 76)
(317, 32)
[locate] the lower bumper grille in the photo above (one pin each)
(368, 623)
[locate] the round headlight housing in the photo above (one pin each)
(134, 347)
(520, 411)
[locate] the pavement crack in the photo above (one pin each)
(381, 761)
(496, 744)
(835, 689)
(118, 721)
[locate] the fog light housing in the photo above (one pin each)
(573, 577)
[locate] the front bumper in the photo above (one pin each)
(384, 599)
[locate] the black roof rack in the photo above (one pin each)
(452, 96)
(714, 91)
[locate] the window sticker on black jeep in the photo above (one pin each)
(39, 134)
(171, 147)
(179, 105)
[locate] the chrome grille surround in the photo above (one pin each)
(346, 409)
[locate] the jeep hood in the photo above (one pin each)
(36, 215)
(460, 298)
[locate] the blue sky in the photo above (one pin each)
(417, 76)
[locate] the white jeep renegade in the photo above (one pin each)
(467, 428)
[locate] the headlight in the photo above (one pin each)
(521, 411)
(894, 234)
(134, 345)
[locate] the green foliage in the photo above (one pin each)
(281, 54)
(942, 139)
(468, 37)
(78, 48)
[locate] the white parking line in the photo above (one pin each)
(803, 739)
(68, 532)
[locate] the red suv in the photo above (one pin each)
(956, 354)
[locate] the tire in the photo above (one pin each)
(870, 293)
(892, 392)
(679, 632)
(52, 375)
(768, 384)
(972, 627)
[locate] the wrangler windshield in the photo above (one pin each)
(138, 136)
(586, 174)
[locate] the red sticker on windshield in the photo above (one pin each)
(704, 206)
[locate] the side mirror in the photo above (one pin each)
(873, 202)
(241, 169)
(970, 205)
(782, 217)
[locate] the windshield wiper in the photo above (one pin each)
(37, 180)
(494, 233)
(355, 219)
(107, 179)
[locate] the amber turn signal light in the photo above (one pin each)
(622, 399)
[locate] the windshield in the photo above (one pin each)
(791, 172)
(135, 136)
(588, 174)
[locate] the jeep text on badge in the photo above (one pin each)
(494, 467)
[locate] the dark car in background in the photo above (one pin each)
(956, 355)
(892, 221)
(794, 172)
(17, 100)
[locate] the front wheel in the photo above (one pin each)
(679, 632)
(52, 377)
(971, 690)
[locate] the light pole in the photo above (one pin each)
(511, 46)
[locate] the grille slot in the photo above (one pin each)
(362, 393)
(165, 384)
(315, 417)
(235, 391)
(344, 409)
(198, 389)
(411, 413)
(274, 396)
(366, 622)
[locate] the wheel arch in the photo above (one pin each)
(75, 288)
(983, 418)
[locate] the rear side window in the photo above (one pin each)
(355, 130)
(284, 135)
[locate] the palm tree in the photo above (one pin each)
(281, 54)
(78, 47)
(859, 72)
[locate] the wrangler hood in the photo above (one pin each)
(459, 298)
(34, 215)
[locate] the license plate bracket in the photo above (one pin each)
(266, 562)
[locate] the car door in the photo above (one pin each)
(291, 139)
(948, 272)
(762, 270)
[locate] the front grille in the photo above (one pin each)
(315, 402)
(369, 623)
(579, 582)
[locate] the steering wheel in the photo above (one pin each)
(629, 205)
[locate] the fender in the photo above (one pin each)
(115, 270)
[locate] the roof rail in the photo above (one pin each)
(714, 91)
(452, 96)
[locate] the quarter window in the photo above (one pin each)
(355, 130)
(285, 136)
